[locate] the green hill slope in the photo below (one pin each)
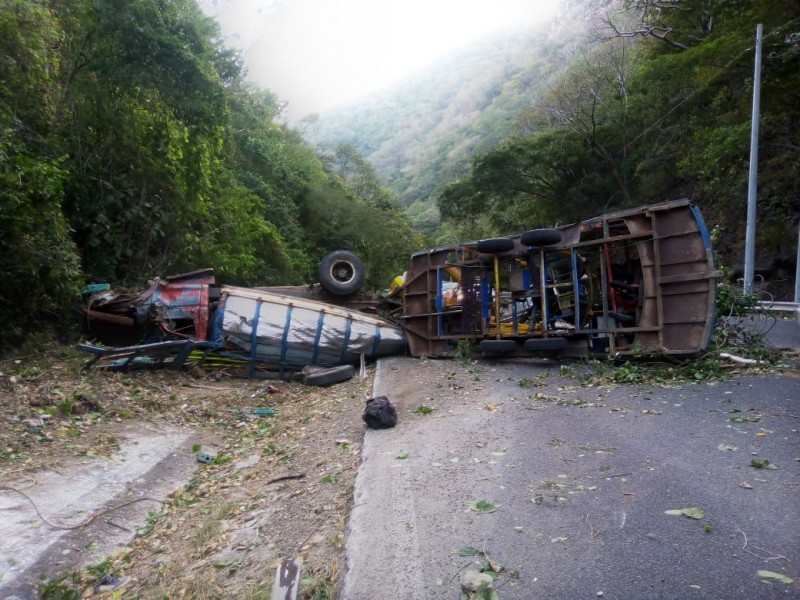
(425, 131)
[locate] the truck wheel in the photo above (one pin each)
(541, 237)
(553, 344)
(341, 273)
(495, 245)
(497, 346)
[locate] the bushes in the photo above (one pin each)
(39, 266)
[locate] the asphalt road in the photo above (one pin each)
(577, 481)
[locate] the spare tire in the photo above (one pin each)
(541, 237)
(495, 245)
(330, 376)
(341, 273)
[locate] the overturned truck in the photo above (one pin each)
(186, 318)
(633, 282)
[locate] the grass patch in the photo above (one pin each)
(210, 527)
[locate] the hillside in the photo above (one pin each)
(610, 106)
(424, 132)
(132, 146)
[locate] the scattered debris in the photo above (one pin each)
(286, 580)
(775, 576)
(323, 377)
(693, 512)
(483, 506)
(109, 583)
(206, 455)
(246, 463)
(740, 359)
(380, 413)
(478, 586)
(220, 515)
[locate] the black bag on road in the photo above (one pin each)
(380, 413)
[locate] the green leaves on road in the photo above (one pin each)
(775, 576)
(483, 506)
(693, 512)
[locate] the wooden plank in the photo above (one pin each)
(287, 578)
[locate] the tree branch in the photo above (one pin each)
(660, 33)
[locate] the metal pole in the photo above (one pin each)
(750, 237)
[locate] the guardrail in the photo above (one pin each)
(781, 307)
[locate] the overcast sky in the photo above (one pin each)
(319, 54)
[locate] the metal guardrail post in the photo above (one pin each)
(797, 277)
(781, 307)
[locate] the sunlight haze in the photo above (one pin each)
(319, 54)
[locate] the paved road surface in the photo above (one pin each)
(581, 477)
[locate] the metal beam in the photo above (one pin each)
(750, 237)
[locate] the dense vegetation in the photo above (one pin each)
(131, 146)
(620, 103)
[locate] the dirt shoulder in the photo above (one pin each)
(281, 484)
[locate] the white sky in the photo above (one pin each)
(317, 54)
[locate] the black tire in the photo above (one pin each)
(551, 344)
(541, 237)
(341, 273)
(495, 245)
(330, 376)
(497, 346)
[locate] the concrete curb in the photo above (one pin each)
(381, 530)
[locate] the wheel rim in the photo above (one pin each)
(343, 272)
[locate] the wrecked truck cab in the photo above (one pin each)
(640, 281)
(176, 306)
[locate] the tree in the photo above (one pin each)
(678, 24)
(590, 100)
(39, 267)
(141, 117)
(528, 182)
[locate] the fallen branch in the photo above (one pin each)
(285, 477)
(764, 558)
(741, 360)
(592, 531)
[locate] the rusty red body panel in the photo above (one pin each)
(172, 302)
(176, 305)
